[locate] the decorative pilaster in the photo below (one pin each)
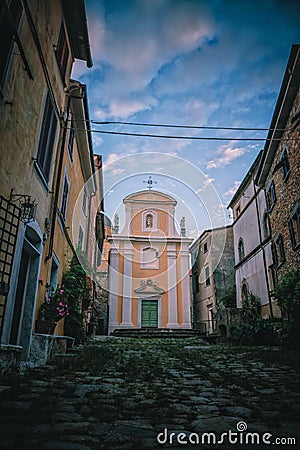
(172, 291)
(112, 289)
(127, 286)
(185, 283)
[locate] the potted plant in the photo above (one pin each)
(54, 309)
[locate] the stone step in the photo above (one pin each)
(155, 333)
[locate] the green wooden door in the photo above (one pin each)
(150, 313)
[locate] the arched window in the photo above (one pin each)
(266, 225)
(245, 292)
(241, 249)
(149, 221)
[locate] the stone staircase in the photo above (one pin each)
(156, 333)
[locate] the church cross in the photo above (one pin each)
(150, 182)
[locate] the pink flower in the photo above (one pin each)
(61, 291)
(61, 304)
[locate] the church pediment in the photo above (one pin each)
(149, 287)
(149, 196)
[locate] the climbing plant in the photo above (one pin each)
(75, 283)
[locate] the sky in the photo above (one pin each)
(213, 63)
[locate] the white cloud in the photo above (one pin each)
(227, 155)
(231, 191)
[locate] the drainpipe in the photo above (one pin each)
(263, 250)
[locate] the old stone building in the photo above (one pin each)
(252, 243)
(279, 171)
(212, 261)
(149, 266)
(43, 154)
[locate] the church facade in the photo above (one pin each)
(149, 266)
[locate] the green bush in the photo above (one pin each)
(257, 332)
(287, 293)
(228, 299)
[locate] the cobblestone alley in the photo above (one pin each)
(120, 393)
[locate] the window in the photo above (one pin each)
(149, 258)
(266, 226)
(84, 198)
(274, 255)
(279, 248)
(62, 51)
(205, 248)
(285, 164)
(71, 137)
(53, 275)
(47, 137)
(64, 197)
(237, 211)
(245, 292)
(80, 237)
(271, 196)
(207, 276)
(241, 249)
(196, 282)
(294, 226)
(7, 34)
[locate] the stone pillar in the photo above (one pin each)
(112, 289)
(127, 286)
(172, 291)
(185, 284)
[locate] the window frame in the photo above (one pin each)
(64, 198)
(8, 34)
(241, 249)
(285, 164)
(271, 196)
(279, 245)
(295, 234)
(266, 227)
(81, 233)
(207, 276)
(47, 138)
(62, 51)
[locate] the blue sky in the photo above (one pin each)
(203, 63)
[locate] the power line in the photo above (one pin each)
(183, 126)
(200, 138)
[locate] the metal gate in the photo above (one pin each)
(9, 224)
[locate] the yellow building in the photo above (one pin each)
(149, 266)
(41, 40)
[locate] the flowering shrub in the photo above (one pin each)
(56, 306)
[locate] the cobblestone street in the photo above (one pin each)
(120, 393)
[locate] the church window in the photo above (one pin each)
(241, 249)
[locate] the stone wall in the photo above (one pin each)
(287, 189)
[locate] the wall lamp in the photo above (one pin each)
(27, 206)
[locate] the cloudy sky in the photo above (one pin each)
(215, 63)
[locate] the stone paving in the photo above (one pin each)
(120, 393)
